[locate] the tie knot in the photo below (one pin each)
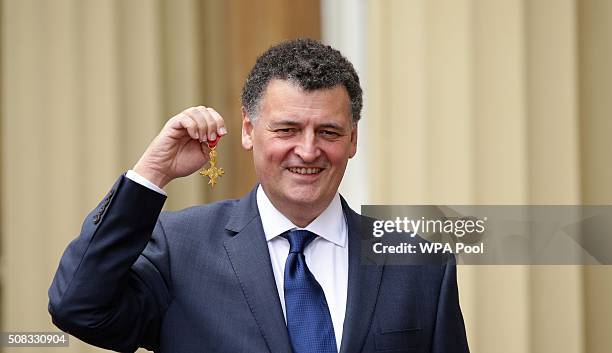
(299, 239)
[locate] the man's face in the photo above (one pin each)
(301, 143)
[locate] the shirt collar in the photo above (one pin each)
(330, 224)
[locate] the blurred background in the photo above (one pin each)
(467, 102)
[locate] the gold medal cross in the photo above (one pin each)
(212, 172)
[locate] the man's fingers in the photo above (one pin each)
(190, 125)
(206, 122)
(221, 130)
(196, 115)
(210, 122)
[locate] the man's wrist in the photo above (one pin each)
(152, 175)
(140, 179)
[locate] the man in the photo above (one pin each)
(277, 271)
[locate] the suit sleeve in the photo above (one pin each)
(449, 330)
(112, 286)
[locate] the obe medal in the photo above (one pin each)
(212, 172)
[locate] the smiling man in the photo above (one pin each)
(276, 271)
(301, 142)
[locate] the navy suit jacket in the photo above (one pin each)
(201, 280)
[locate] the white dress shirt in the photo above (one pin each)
(326, 256)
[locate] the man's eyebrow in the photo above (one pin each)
(284, 122)
(331, 126)
(290, 122)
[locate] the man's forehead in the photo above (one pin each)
(280, 118)
(285, 100)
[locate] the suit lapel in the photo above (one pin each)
(248, 252)
(363, 286)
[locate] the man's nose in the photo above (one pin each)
(307, 148)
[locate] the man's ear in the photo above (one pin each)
(247, 131)
(353, 149)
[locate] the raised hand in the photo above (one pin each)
(180, 148)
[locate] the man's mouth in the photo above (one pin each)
(305, 171)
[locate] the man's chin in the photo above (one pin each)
(303, 196)
(306, 200)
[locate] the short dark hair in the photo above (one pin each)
(309, 64)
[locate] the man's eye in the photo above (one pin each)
(330, 133)
(285, 131)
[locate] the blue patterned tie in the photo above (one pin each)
(308, 319)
